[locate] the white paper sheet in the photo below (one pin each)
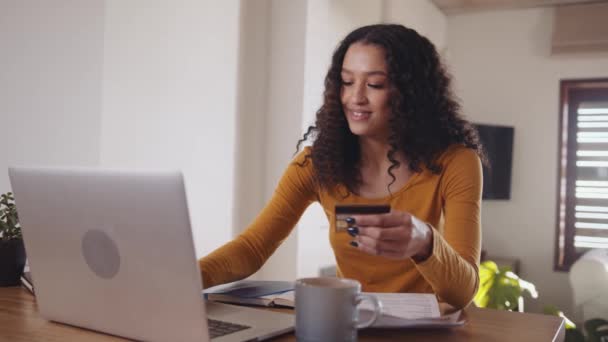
(409, 310)
(406, 305)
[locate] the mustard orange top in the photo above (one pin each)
(450, 202)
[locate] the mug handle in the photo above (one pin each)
(377, 309)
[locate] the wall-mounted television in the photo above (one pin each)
(498, 143)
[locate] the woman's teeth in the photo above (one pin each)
(360, 115)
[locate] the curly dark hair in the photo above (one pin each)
(424, 117)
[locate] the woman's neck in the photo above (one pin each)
(373, 155)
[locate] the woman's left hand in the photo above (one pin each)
(396, 235)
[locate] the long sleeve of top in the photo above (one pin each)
(449, 201)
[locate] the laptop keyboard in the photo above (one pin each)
(221, 328)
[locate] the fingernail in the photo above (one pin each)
(350, 221)
(354, 243)
(353, 231)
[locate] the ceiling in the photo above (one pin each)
(460, 6)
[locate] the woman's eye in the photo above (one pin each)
(376, 86)
(347, 83)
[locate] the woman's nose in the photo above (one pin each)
(359, 95)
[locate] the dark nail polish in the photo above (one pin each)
(354, 243)
(350, 221)
(353, 231)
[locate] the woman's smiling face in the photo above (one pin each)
(365, 91)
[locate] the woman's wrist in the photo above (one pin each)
(426, 240)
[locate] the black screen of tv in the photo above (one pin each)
(498, 144)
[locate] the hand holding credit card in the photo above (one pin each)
(343, 212)
(379, 231)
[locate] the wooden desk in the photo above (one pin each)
(20, 322)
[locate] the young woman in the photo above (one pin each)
(389, 132)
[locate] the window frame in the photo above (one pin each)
(572, 91)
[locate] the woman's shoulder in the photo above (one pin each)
(301, 163)
(458, 154)
(299, 175)
(461, 169)
(303, 157)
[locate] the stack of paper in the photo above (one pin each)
(409, 310)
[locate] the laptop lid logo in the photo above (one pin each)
(100, 253)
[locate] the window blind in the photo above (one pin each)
(591, 195)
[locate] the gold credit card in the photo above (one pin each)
(345, 211)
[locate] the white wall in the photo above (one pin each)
(169, 100)
(420, 15)
(126, 84)
(505, 75)
(286, 34)
(252, 110)
(269, 109)
(50, 83)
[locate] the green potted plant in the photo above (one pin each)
(12, 251)
(500, 288)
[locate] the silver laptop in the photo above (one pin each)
(112, 251)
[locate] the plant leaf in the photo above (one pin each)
(554, 311)
(528, 287)
(487, 275)
(490, 265)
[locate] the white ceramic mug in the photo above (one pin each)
(326, 309)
